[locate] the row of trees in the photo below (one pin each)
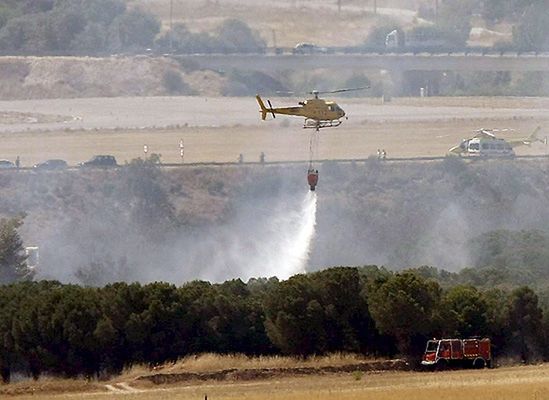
(75, 27)
(232, 36)
(72, 330)
(106, 26)
(13, 265)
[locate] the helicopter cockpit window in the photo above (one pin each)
(474, 146)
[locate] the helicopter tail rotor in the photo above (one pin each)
(264, 110)
(271, 108)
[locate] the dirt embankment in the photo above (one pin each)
(68, 77)
(263, 373)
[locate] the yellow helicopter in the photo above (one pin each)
(318, 113)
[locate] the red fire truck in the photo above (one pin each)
(443, 353)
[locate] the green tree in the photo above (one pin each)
(150, 207)
(525, 321)
(455, 20)
(13, 265)
(9, 308)
(493, 11)
(236, 36)
(532, 30)
(294, 317)
(347, 322)
(405, 307)
(133, 30)
(173, 83)
(322, 312)
(521, 257)
(463, 311)
(6, 12)
(376, 37)
(497, 311)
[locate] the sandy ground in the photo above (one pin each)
(219, 129)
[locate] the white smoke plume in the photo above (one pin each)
(262, 241)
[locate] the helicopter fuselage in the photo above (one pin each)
(485, 143)
(316, 110)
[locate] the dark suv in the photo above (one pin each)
(100, 161)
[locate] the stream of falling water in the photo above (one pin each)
(271, 239)
(296, 244)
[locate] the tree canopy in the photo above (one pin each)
(13, 266)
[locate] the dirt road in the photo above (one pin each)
(517, 383)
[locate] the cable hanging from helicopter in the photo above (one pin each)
(312, 172)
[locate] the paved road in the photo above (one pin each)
(392, 62)
(159, 112)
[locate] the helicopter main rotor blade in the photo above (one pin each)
(285, 93)
(271, 108)
(342, 90)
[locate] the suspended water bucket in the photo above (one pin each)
(312, 178)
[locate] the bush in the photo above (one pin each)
(173, 82)
(377, 36)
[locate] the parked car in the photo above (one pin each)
(50, 165)
(100, 161)
(4, 164)
(308, 48)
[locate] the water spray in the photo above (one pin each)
(298, 243)
(275, 240)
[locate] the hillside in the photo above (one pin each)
(117, 76)
(100, 226)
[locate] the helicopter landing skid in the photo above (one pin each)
(313, 124)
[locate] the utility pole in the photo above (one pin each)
(339, 6)
(171, 26)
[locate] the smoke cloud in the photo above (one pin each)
(263, 222)
(265, 232)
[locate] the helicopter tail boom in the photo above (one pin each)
(263, 110)
(534, 135)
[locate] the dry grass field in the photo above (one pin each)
(292, 20)
(219, 129)
(516, 383)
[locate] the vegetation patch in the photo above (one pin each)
(266, 373)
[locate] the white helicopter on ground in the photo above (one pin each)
(485, 144)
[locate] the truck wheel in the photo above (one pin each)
(441, 365)
(479, 363)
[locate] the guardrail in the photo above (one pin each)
(288, 162)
